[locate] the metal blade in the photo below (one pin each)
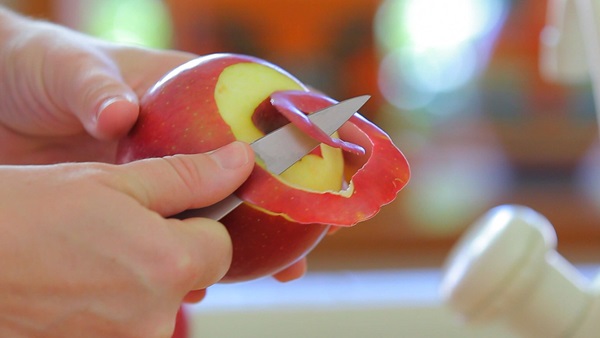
(288, 144)
(285, 146)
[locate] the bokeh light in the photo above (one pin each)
(432, 47)
(443, 196)
(432, 54)
(139, 22)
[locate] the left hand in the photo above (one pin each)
(65, 96)
(69, 97)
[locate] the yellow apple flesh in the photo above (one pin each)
(216, 99)
(210, 102)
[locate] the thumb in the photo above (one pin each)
(170, 185)
(94, 90)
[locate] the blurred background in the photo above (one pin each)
(455, 83)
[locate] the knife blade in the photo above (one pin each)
(283, 147)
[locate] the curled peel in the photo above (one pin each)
(375, 176)
(293, 105)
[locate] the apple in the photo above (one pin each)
(181, 325)
(216, 99)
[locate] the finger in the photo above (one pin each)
(142, 67)
(292, 272)
(173, 184)
(209, 247)
(114, 118)
(92, 89)
(195, 296)
(106, 107)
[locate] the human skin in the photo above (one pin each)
(87, 247)
(87, 250)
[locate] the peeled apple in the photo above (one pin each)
(216, 99)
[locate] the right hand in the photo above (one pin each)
(87, 249)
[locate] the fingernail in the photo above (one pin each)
(109, 101)
(231, 156)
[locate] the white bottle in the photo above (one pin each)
(507, 268)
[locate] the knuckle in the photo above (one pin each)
(173, 268)
(187, 171)
(102, 173)
(86, 173)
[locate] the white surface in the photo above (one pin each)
(372, 304)
(328, 290)
(378, 304)
(369, 304)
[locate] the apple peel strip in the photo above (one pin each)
(373, 183)
(293, 105)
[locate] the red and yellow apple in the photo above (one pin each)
(216, 99)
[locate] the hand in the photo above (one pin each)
(65, 96)
(87, 251)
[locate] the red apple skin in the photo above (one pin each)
(181, 325)
(265, 244)
(179, 116)
(176, 118)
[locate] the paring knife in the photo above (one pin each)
(283, 147)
